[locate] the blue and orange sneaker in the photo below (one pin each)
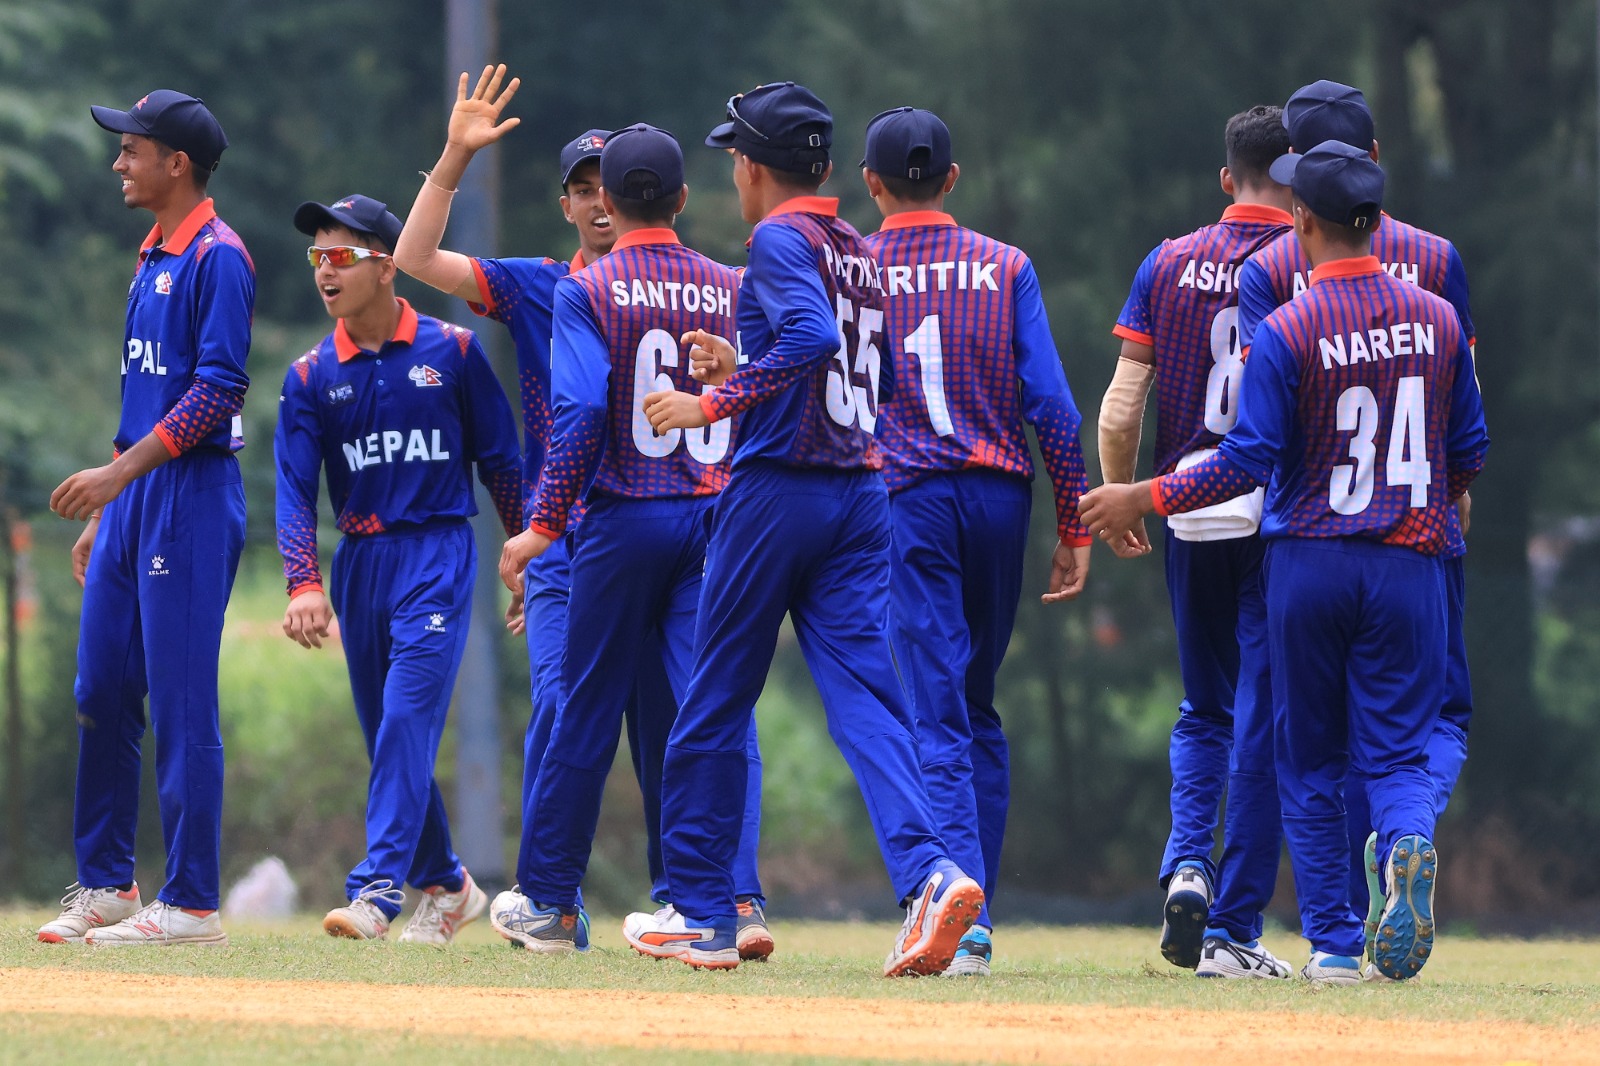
(666, 934)
(753, 937)
(937, 918)
(1405, 929)
(548, 930)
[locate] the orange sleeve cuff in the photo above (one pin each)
(1157, 500)
(706, 408)
(545, 531)
(1119, 330)
(301, 590)
(1074, 542)
(487, 305)
(167, 439)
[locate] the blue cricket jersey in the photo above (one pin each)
(188, 334)
(396, 431)
(811, 318)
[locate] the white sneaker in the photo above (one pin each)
(441, 913)
(1326, 969)
(83, 909)
(666, 934)
(936, 920)
(161, 925)
(361, 918)
(1222, 957)
(1185, 915)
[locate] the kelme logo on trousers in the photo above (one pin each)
(158, 566)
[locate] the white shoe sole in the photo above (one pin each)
(218, 941)
(533, 943)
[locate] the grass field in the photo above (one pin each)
(1063, 995)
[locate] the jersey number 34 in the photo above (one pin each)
(1350, 485)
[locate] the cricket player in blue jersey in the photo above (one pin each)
(397, 408)
(158, 556)
(1361, 414)
(519, 292)
(802, 528)
(649, 496)
(966, 311)
(1330, 111)
(1180, 326)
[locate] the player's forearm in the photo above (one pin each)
(1122, 418)
(787, 362)
(199, 412)
(505, 489)
(574, 456)
(1462, 473)
(1215, 479)
(417, 252)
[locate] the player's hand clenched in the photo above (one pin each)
(711, 358)
(84, 493)
(516, 620)
(1113, 510)
(519, 551)
(1069, 569)
(474, 121)
(674, 410)
(308, 618)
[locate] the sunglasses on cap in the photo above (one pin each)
(342, 255)
(733, 113)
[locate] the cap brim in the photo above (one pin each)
(566, 175)
(1283, 168)
(721, 136)
(312, 216)
(109, 118)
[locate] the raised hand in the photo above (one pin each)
(711, 358)
(475, 120)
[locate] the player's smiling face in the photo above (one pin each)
(581, 204)
(350, 290)
(145, 167)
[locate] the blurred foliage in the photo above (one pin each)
(1087, 131)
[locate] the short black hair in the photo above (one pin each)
(797, 180)
(654, 212)
(915, 190)
(201, 175)
(1254, 138)
(1341, 234)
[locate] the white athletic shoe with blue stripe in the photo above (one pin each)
(536, 927)
(1326, 969)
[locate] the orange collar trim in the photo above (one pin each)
(578, 262)
(404, 333)
(809, 205)
(649, 235)
(1347, 268)
(203, 212)
(1257, 213)
(907, 219)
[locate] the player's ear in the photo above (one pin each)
(683, 198)
(607, 205)
(950, 179)
(873, 182)
(1225, 179)
(826, 174)
(566, 207)
(1374, 152)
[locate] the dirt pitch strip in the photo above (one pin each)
(824, 1027)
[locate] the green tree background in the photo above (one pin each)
(1087, 131)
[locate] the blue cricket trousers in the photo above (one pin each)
(1358, 636)
(404, 600)
(959, 541)
(1223, 734)
(1447, 747)
(547, 585)
(814, 544)
(637, 566)
(158, 582)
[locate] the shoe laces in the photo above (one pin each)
(78, 900)
(429, 916)
(387, 891)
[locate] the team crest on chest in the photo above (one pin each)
(425, 376)
(164, 283)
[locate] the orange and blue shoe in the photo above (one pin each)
(973, 954)
(937, 918)
(753, 937)
(547, 930)
(666, 934)
(1405, 929)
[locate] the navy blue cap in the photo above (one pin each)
(640, 162)
(180, 122)
(587, 146)
(782, 125)
(1328, 111)
(1338, 181)
(360, 213)
(907, 142)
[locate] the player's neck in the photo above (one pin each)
(375, 323)
(625, 226)
(891, 206)
(1319, 250)
(1249, 197)
(178, 207)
